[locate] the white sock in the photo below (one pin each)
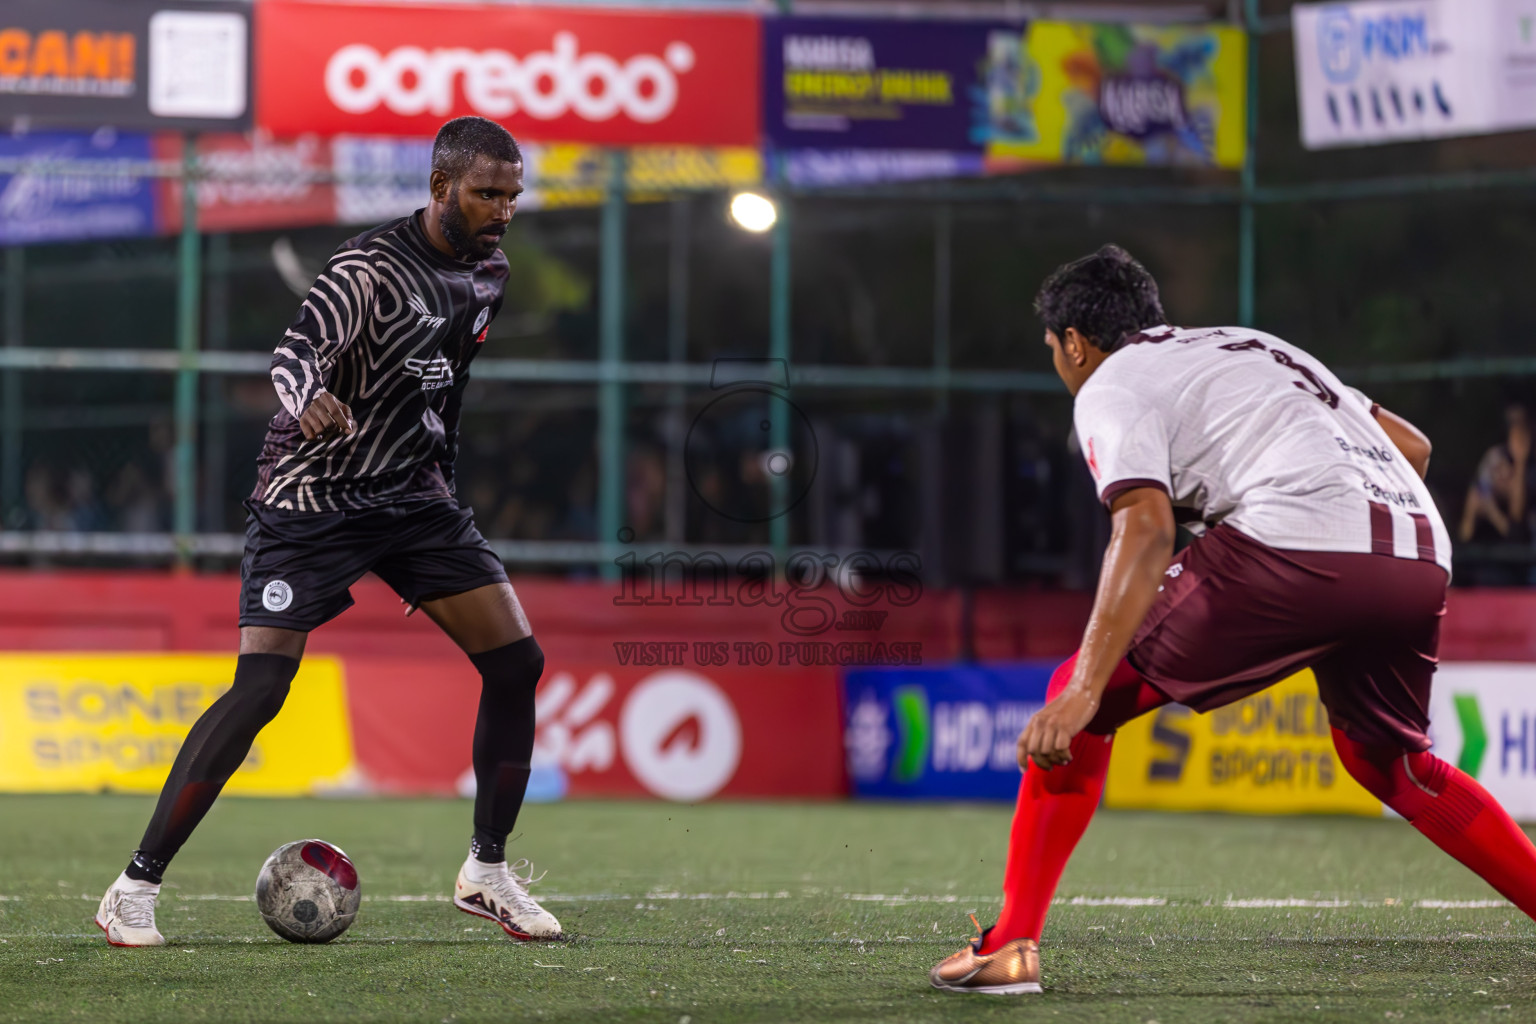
(135, 884)
(479, 871)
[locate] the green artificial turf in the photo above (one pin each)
(761, 912)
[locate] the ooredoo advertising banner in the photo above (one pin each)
(127, 63)
(1389, 70)
(93, 722)
(615, 77)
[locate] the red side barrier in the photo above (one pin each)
(64, 610)
(681, 733)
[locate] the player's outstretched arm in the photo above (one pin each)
(1137, 557)
(1408, 439)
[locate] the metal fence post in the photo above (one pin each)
(943, 301)
(1247, 241)
(188, 307)
(680, 247)
(10, 384)
(610, 392)
(779, 310)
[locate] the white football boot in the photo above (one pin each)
(493, 892)
(127, 913)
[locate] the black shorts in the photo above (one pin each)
(298, 566)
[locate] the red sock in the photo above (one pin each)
(1054, 810)
(1453, 812)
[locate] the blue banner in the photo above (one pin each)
(939, 733)
(48, 207)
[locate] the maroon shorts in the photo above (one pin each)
(1234, 616)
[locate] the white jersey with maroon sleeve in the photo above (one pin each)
(1240, 427)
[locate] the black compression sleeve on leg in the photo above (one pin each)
(214, 748)
(503, 741)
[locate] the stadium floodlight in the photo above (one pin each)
(753, 212)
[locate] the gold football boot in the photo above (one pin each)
(1012, 970)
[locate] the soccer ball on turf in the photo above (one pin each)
(308, 892)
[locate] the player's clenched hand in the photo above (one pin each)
(1048, 736)
(326, 417)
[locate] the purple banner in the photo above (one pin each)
(890, 85)
(42, 206)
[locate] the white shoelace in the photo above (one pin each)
(511, 887)
(137, 909)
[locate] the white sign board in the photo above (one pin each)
(1483, 720)
(1393, 70)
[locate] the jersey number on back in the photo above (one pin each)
(1312, 384)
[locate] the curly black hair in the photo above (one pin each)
(1107, 296)
(464, 138)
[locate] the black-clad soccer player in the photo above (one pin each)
(357, 475)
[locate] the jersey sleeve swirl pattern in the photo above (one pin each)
(327, 323)
(390, 328)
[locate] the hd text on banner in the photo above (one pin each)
(92, 722)
(1391, 70)
(939, 733)
(1483, 720)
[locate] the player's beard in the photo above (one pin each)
(469, 247)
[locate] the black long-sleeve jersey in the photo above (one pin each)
(390, 328)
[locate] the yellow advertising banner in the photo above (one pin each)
(1270, 753)
(574, 174)
(1124, 94)
(91, 722)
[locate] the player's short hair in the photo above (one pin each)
(1107, 296)
(464, 138)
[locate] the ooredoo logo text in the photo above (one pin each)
(544, 84)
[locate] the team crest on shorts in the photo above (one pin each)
(276, 596)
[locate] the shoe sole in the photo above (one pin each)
(509, 929)
(1021, 989)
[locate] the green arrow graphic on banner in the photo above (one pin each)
(1474, 741)
(911, 706)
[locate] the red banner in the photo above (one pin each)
(254, 182)
(612, 77)
(683, 734)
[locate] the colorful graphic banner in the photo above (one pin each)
(40, 206)
(616, 77)
(939, 733)
(1387, 71)
(1270, 753)
(92, 722)
(127, 63)
(1122, 94)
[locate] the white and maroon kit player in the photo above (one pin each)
(1317, 545)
